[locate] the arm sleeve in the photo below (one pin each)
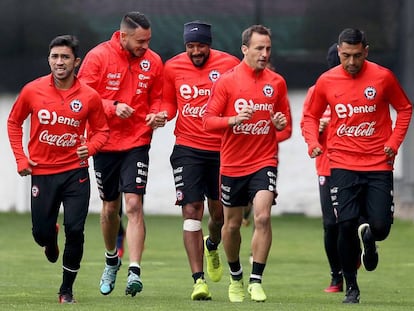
(169, 97)
(156, 91)
(286, 133)
(403, 107)
(313, 108)
(98, 127)
(213, 118)
(18, 114)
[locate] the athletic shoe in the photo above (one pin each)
(336, 286)
(52, 252)
(66, 298)
(369, 256)
(352, 295)
(236, 290)
(214, 266)
(256, 292)
(200, 290)
(108, 278)
(134, 284)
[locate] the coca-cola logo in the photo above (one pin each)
(261, 127)
(365, 129)
(63, 140)
(192, 111)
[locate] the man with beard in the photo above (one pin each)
(128, 76)
(188, 79)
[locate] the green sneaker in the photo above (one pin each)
(200, 290)
(134, 284)
(256, 292)
(236, 290)
(214, 266)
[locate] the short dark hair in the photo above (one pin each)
(133, 20)
(260, 29)
(66, 40)
(352, 36)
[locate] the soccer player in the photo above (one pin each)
(249, 105)
(57, 160)
(361, 146)
(128, 76)
(330, 225)
(188, 79)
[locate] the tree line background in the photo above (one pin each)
(302, 30)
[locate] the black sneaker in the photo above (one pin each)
(369, 256)
(66, 297)
(352, 295)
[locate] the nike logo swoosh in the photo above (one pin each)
(194, 29)
(82, 180)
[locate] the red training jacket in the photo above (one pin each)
(251, 145)
(58, 119)
(117, 76)
(361, 124)
(322, 161)
(186, 90)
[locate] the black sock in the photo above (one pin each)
(135, 270)
(197, 276)
(257, 272)
(236, 271)
(112, 259)
(210, 245)
(67, 283)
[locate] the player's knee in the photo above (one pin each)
(192, 225)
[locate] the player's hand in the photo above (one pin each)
(28, 170)
(279, 120)
(157, 120)
(316, 152)
(323, 123)
(82, 151)
(124, 111)
(389, 152)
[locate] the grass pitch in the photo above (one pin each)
(296, 273)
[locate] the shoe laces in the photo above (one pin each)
(109, 273)
(215, 259)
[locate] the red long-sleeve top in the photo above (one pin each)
(322, 161)
(117, 76)
(251, 145)
(361, 125)
(186, 89)
(57, 120)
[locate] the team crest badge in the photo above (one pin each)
(214, 75)
(268, 90)
(370, 92)
(76, 105)
(35, 191)
(145, 65)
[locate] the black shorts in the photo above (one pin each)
(240, 191)
(328, 214)
(196, 174)
(367, 194)
(124, 171)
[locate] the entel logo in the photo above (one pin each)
(47, 117)
(240, 103)
(187, 92)
(347, 110)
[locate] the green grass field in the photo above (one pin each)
(295, 275)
